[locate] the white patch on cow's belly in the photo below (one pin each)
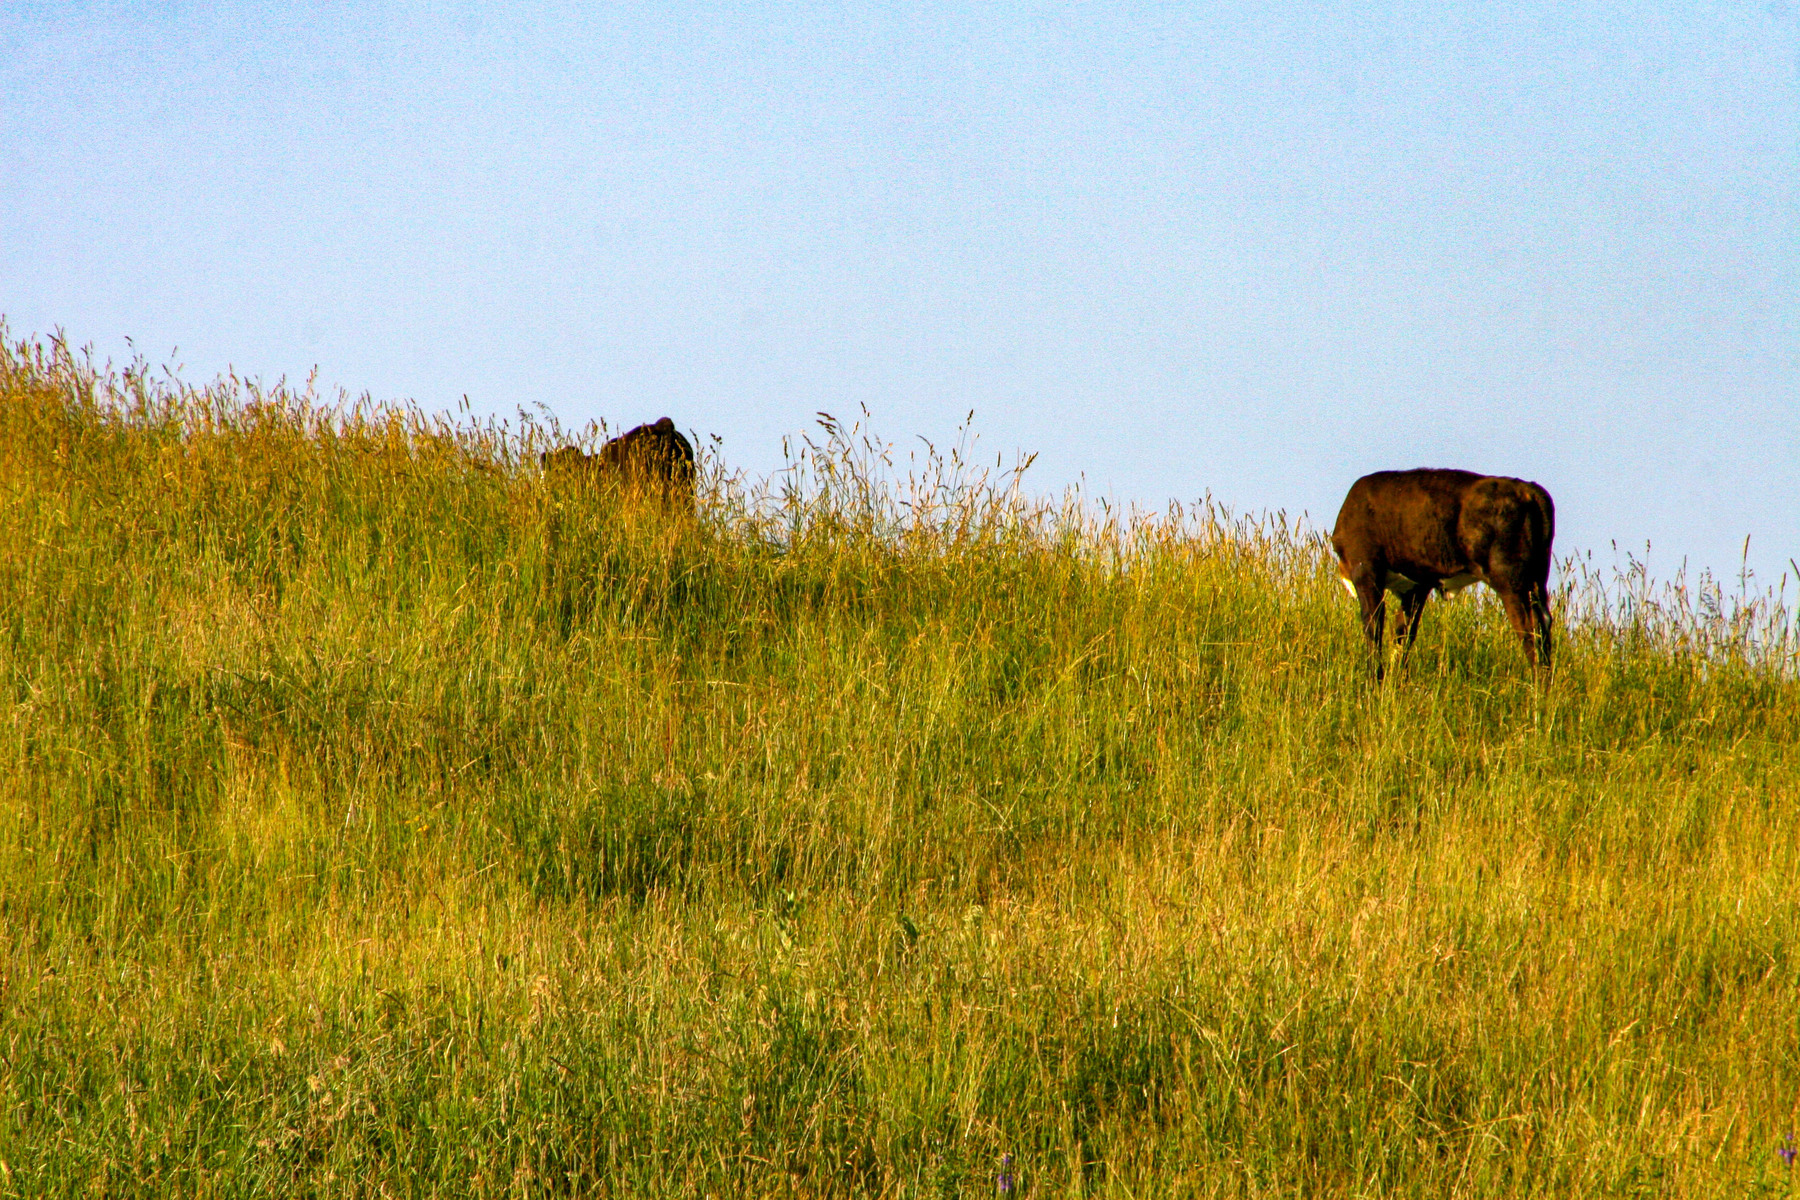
(1457, 583)
(1348, 586)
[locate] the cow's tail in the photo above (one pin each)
(1543, 535)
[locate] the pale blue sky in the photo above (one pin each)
(1251, 249)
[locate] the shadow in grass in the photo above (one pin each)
(624, 840)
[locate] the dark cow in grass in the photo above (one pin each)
(648, 460)
(1412, 532)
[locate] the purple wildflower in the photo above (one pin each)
(1786, 1149)
(1005, 1178)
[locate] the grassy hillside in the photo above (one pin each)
(378, 817)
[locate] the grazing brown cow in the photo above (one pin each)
(1410, 532)
(650, 458)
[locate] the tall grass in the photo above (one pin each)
(380, 817)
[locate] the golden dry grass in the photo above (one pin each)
(378, 818)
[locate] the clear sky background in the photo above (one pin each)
(1251, 249)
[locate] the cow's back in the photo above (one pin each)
(1405, 520)
(565, 459)
(657, 449)
(653, 458)
(1512, 518)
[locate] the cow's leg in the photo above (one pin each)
(1540, 613)
(1520, 575)
(1412, 608)
(1522, 611)
(1371, 597)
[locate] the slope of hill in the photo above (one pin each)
(379, 818)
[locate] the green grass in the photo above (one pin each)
(378, 817)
